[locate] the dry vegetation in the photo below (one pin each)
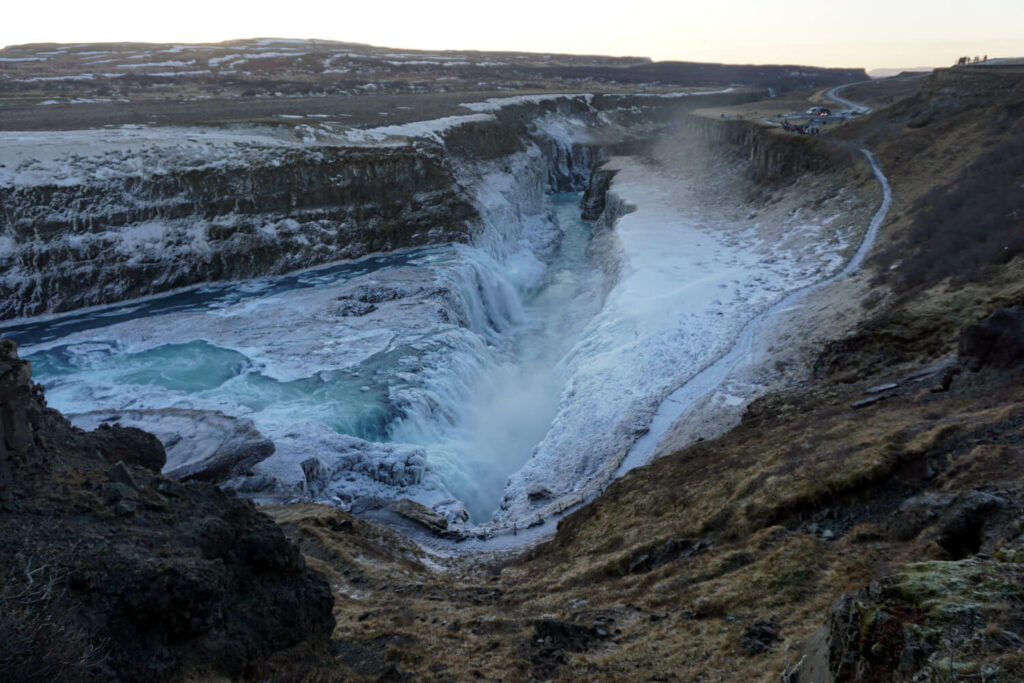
(963, 229)
(706, 565)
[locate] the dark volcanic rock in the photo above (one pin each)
(961, 528)
(565, 635)
(161, 577)
(760, 637)
(552, 639)
(649, 557)
(130, 445)
(22, 410)
(594, 196)
(204, 445)
(996, 343)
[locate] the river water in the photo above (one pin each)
(442, 350)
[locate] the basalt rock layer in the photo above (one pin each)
(112, 220)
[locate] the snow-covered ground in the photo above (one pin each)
(713, 399)
(87, 156)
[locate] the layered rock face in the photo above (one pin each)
(94, 217)
(772, 156)
(112, 571)
(114, 234)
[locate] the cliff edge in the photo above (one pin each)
(112, 571)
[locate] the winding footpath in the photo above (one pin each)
(833, 94)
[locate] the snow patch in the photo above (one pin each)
(147, 65)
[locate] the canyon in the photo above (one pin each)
(335, 321)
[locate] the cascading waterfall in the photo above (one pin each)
(507, 377)
(443, 355)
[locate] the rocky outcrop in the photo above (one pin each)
(23, 416)
(116, 234)
(200, 444)
(773, 156)
(929, 622)
(948, 92)
(597, 190)
(137, 576)
(995, 343)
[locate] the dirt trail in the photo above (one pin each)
(833, 94)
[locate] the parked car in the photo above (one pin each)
(819, 111)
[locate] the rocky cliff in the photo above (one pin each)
(118, 216)
(773, 155)
(111, 571)
(114, 234)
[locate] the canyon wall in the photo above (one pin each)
(107, 225)
(773, 155)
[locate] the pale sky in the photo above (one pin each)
(866, 33)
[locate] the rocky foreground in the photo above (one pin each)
(865, 522)
(111, 570)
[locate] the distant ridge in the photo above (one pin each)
(887, 73)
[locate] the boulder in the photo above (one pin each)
(538, 492)
(131, 446)
(565, 635)
(995, 343)
(200, 444)
(421, 514)
(962, 526)
(760, 637)
(453, 510)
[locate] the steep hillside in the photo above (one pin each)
(112, 571)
